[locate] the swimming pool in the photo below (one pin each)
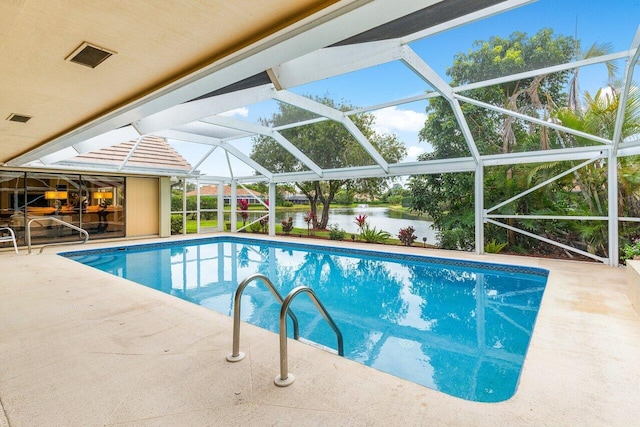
(459, 327)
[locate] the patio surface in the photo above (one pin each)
(79, 347)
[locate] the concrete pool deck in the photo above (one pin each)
(79, 347)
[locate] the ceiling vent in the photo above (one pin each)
(20, 118)
(89, 55)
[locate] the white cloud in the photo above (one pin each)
(393, 119)
(242, 112)
(412, 153)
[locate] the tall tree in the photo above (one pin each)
(448, 198)
(329, 145)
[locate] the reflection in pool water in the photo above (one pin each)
(459, 327)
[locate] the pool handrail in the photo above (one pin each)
(59, 221)
(236, 354)
(286, 378)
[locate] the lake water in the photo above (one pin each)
(379, 217)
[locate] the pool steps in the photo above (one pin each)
(285, 378)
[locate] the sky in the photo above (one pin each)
(611, 21)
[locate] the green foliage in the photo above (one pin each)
(373, 235)
(176, 224)
(336, 233)
(255, 227)
(344, 197)
(631, 251)
(406, 236)
(206, 202)
(449, 198)
(492, 247)
(395, 200)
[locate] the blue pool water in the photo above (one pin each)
(456, 326)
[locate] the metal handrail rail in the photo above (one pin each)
(59, 221)
(286, 378)
(236, 354)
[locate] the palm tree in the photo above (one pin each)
(596, 49)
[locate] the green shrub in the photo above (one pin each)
(335, 232)
(176, 224)
(631, 251)
(395, 200)
(255, 227)
(493, 248)
(373, 235)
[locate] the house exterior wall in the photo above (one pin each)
(143, 201)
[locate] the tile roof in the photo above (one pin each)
(151, 153)
(212, 190)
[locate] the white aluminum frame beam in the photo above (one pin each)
(422, 69)
(208, 140)
(547, 70)
(544, 183)
(628, 80)
(533, 119)
(230, 122)
(202, 108)
(330, 62)
(336, 115)
(551, 242)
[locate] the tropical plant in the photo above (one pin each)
(361, 221)
(309, 218)
(335, 232)
(264, 223)
(406, 236)
(287, 225)
(243, 207)
(373, 235)
(492, 247)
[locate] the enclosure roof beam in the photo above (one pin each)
(372, 171)
(202, 139)
(559, 155)
(541, 71)
(421, 68)
(201, 108)
(535, 120)
(330, 62)
(232, 123)
(624, 95)
(201, 161)
(333, 114)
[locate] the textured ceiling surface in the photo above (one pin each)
(156, 42)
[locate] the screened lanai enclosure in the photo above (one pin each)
(529, 109)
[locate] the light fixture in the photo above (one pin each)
(55, 195)
(103, 195)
